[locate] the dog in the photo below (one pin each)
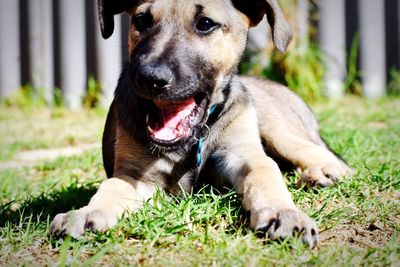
(182, 117)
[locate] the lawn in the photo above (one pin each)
(359, 219)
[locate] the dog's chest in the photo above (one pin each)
(175, 171)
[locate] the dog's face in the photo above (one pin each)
(183, 54)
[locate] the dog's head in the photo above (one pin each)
(183, 54)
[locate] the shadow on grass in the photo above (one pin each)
(48, 204)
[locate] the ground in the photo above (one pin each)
(359, 220)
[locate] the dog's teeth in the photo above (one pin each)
(151, 131)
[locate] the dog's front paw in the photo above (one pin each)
(74, 223)
(285, 223)
(324, 175)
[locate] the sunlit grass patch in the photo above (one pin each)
(359, 219)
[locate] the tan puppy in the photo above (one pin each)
(181, 117)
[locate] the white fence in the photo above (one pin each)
(57, 43)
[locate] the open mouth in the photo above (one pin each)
(174, 121)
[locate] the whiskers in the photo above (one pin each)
(157, 150)
(152, 148)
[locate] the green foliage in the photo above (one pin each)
(58, 99)
(93, 94)
(300, 68)
(31, 97)
(394, 83)
(26, 97)
(352, 82)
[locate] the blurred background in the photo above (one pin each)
(52, 53)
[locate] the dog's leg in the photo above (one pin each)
(296, 139)
(317, 165)
(260, 181)
(290, 132)
(114, 197)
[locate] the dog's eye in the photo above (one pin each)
(142, 21)
(206, 25)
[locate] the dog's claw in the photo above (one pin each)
(286, 223)
(70, 223)
(74, 223)
(324, 176)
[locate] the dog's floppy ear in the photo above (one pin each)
(256, 9)
(107, 9)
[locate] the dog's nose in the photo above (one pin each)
(156, 78)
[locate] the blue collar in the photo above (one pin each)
(200, 145)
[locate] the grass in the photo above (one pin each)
(359, 219)
(29, 128)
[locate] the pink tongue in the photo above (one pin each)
(172, 114)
